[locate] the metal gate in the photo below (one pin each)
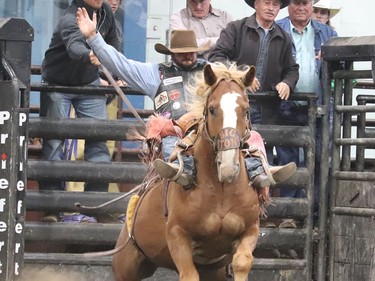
(265, 268)
(350, 235)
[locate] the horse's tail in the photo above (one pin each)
(107, 253)
(129, 224)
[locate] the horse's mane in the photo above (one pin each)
(201, 90)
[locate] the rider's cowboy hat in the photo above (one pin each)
(284, 3)
(182, 41)
(326, 4)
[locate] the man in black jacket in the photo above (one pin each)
(69, 61)
(258, 40)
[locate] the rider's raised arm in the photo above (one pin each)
(141, 76)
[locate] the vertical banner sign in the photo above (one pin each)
(19, 238)
(13, 147)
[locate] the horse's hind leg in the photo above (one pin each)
(129, 264)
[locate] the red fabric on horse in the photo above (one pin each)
(257, 140)
(159, 127)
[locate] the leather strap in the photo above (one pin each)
(122, 95)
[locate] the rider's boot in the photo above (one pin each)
(170, 170)
(261, 181)
(282, 173)
(279, 174)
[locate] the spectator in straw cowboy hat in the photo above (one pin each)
(323, 11)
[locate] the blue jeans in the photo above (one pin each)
(286, 155)
(293, 154)
(254, 167)
(291, 114)
(168, 144)
(57, 106)
(255, 113)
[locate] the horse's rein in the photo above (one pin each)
(227, 138)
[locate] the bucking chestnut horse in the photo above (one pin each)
(201, 230)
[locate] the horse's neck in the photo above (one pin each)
(204, 154)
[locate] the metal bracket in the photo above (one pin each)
(373, 69)
(321, 110)
(317, 235)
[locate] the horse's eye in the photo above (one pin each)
(212, 110)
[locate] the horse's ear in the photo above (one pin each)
(249, 76)
(209, 75)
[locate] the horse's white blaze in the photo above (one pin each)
(229, 104)
(228, 166)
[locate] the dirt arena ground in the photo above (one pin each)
(51, 274)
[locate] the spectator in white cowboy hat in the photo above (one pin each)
(323, 11)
